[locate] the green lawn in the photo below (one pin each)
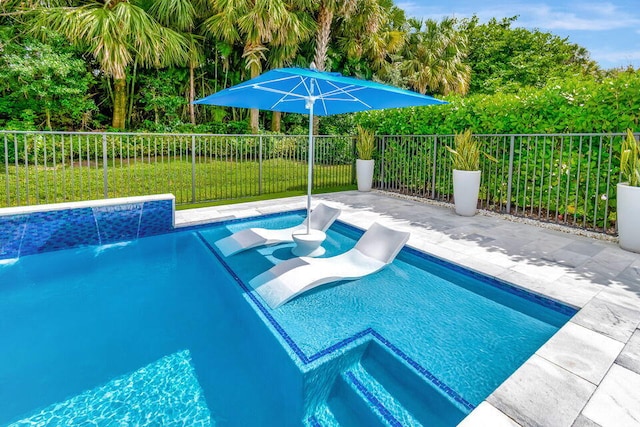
(215, 180)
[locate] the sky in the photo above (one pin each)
(610, 30)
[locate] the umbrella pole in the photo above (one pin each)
(310, 168)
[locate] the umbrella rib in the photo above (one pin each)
(268, 89)
(290, 93)
(285, 94)
(248, 83)
(347, 92)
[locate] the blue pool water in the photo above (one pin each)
(162, 330)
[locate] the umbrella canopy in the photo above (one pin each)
(308, 91)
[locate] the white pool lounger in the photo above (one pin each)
(321, 219)
(376, 249)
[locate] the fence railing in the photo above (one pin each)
(52, 167)
(568, 179)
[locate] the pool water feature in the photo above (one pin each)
(418, 342)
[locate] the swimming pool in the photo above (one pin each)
(162, 330)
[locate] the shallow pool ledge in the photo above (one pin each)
(42, 228)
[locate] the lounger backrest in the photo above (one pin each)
(323, 216)
(382, 243)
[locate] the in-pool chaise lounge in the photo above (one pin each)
(321, 219)
(376, 249)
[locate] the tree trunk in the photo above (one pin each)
(275, 121)
(253, 121)
(119, 103)
(47, 113)
(192, 94)
(131, 93)
(325, 17)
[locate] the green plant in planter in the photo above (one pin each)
(630, 160)
(466, 154)
(365, 143)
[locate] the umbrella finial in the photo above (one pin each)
(312, 66)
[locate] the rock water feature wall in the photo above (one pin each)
(35, 229)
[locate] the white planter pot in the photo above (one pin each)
(364, 174)
(628, 223)
(466, 186)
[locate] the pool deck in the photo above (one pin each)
(587, 374)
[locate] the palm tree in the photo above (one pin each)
(436, 57)
(182, 16)
(327, 9)
(285, 47)
(116, 33)
(256, 24)
(361, 20)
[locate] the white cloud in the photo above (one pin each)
(578, 16)
(618, 57)
(585, 17)
(598, 8)
(598, 26)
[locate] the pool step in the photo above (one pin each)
(349, 405)
(384, 404)
(323, 417)
(359, 400)
(423, 401)
(381, 387)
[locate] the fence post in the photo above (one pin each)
(193, 168)
(260, 166)
(105, 166)
(353, 163)
(382, 151)
(434, 170)
(6, 167)
(510, 178)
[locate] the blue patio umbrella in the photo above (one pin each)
(313, 92)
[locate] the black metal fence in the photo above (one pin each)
(53, 167)
(568, 179)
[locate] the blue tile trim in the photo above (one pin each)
(424, 372)
(45, 231)
(489, 280)
(497, 283)
(337, 346)
(255, 300)
(314, 421)
(11, 235)
(373, 400)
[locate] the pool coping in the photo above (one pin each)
(99, 203)
(574, 377)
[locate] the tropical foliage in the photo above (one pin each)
(573, 104)
(630, 160)
(138, 64)
(465, 153)
(506, 59)
(365, 143)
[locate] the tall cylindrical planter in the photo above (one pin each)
(466, 186)
(364, 174)
(627, 217)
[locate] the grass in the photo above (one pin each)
(216, 181)
(269, 196)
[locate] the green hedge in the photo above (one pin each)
(576, 105)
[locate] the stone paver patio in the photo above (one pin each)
(588, 374)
